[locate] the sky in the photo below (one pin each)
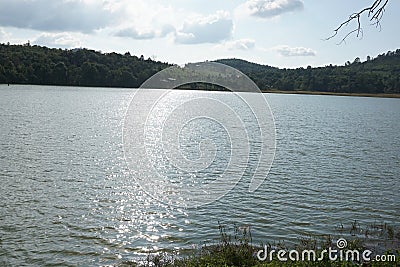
(280, 33)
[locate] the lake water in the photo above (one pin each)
(67, 196)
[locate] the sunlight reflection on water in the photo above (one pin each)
(68, 198)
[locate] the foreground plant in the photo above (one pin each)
(238, 250)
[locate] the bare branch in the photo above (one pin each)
(375, 13)
(359, 31)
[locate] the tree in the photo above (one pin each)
(357, 60)
(374, 12)
(59, 73)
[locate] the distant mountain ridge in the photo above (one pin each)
(26, 64)
(378, 75)
(244, 65)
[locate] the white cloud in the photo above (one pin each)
(270, 8)
(58, 40)
(3, 35)
(211, 29)
(241, 44)
(143, 20)
(136, 19)
(287, 51)
(133, 33)
(49, 15)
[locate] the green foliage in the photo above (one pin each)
(379, 75)
(78, 67)
(25, 64)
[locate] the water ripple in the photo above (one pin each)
(67, 197)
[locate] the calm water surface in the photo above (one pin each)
(67, 197)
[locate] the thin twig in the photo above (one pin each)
(375, 14)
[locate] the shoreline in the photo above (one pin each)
(382, 95)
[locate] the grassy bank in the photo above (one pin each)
(237, 249)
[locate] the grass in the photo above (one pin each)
(237, 250)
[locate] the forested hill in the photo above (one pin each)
(377, 75)
(25, 64)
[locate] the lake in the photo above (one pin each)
(67, 196)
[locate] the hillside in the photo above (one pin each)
(378, 75)
(79, 67)
(25, 64)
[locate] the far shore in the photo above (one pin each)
(331, 93)
(394, 95)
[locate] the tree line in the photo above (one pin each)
(375, 75)
(26, 64)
